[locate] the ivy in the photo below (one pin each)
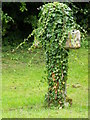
(55, 22)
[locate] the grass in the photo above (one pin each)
(24, 89)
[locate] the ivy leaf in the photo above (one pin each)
(53, 14)
(59, 21)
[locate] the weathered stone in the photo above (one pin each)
(73, 40)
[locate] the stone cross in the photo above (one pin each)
(73, 40)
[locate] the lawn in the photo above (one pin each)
(23, 87)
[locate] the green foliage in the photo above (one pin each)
(23, 7)
(81, 13)
(24, 16)
(85, 42)
(56, 20)
(31, 19)
(5, 23)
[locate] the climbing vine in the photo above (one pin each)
(55, 23)
(56, 20)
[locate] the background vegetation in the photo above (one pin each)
(19, 19)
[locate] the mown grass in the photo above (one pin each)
(24, 88)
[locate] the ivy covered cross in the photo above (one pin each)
(56, 20)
